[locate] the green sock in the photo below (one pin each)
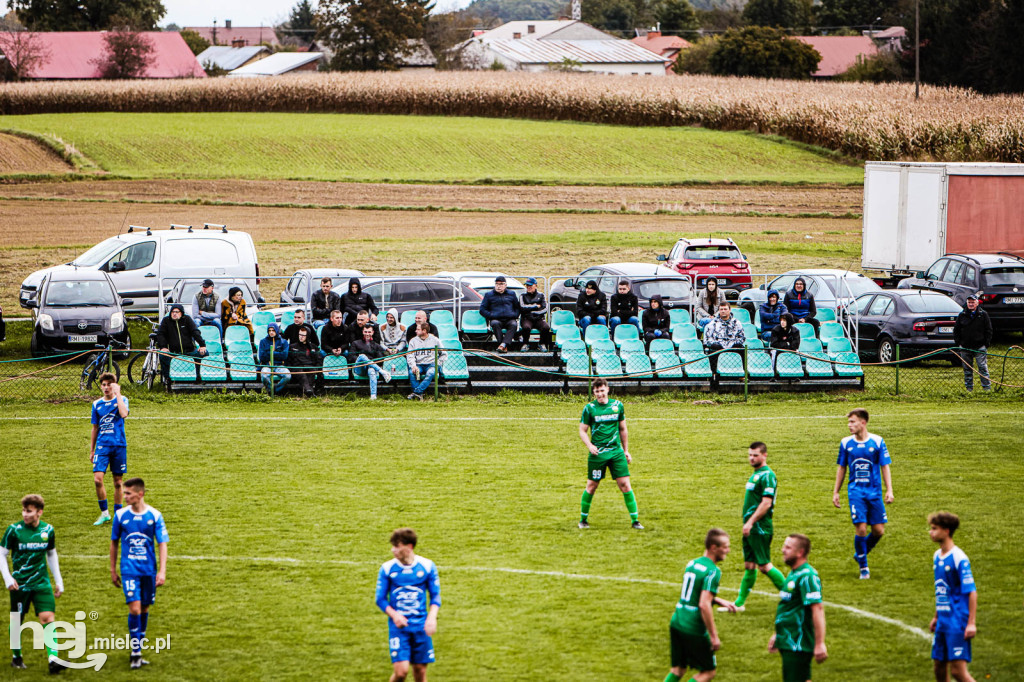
(672, 677)
(746, 584)
(631, 505)
(47, 637)
(585, 505)
(15, 653)
(775, 575)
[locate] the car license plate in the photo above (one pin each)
(87, 338)
(945, 330)
(1013, 300)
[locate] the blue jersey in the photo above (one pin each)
(139, 535)
(864, 461)
(111, 423)
(953, 584)
(405, 589)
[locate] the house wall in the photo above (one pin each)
(612, 69)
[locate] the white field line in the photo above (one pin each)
(523, 571)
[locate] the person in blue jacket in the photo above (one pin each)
(500, 308)
(771, 311)
(800, 302)
(273, 356)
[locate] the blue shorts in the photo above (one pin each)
(139, 588)
(869, 510)
(116, 456)
(951, 646)
(414, 646)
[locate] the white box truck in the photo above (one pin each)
(916, 212)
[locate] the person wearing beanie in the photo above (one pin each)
(592, 306)
(232, 311)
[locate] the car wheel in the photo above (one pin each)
(33, 345)
(886, 349)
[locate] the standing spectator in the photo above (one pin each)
(291, 332)
(3, 326)
(771, 311)
(533, 307)
(625, 307)
(392, 333)
(273, 355)
(784, 336)
(592, 306)
(367, 352)
(232, 311)
(723, 333)
(179, 335)
(205, 308)
(973, 333)
(800, 302)
(303, 357)
(657, 322)
(708, 301)
(334, 337)
(500, 308)
(323, 302)
(355, 330)
(421, 360)
(355, 300)
(421, 317)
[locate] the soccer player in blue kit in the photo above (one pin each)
(142, 533)
(108, 446)
(956, 602)
(402, 587)
(867, 458)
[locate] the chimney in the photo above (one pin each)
(238, 42)
(653, 34)
(227, 24)
(530, 28)
(517, 36)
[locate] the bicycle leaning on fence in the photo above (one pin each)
(144, 366)
(101, 361)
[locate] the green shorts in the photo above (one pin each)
(615, 463)
(757, 548)
(691, 651)
(796, 665)
(41, 600)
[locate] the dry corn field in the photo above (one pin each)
(867, 121)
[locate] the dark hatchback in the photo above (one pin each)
(76, 310)
(918, 322)
(421, 293)
(645, 279)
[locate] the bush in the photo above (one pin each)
(763, 52)
(884, 67)
(697, 59)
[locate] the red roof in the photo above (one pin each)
(666, 46)
(71, 56)
(252, 35)
(839, 53)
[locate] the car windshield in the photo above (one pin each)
(668, 288)
(78, 294)
(855, 286)
(931, 303)
(99, 253)
(994, 277)
(187, 291)
(712, 253)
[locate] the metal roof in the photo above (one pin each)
(839, 53)
(582, 51)
(277, 64)
(540, 29)
(229, 58)
(252, 35)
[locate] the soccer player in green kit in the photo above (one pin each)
(800, 619)
(32, 547)
(692, 630)
(758, 505)
(603, 431)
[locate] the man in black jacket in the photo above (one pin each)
(532, 308)
(500, 308)
(303, 357)
(973, 333)
(355, 330)
(421, 317)
(291, 332)
(334, 337)
(625, 307)
(592, 306)
(179, 335)
(323, 302)
(355, 300)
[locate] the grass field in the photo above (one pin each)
(279, 518)
(429, 149)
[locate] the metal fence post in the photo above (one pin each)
(437, 373)
(746, 375)
(590, 370)
(897, 370)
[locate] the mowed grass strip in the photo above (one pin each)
(287, 522)
(428, 149)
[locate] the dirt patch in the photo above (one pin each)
(22, 155)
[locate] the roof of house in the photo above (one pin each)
(666, 46)
(72, 55)
(252, 35)
(839, 53)
(582, 51)
(277, 64)
(543, 30)
(230, 58)
(421, 54)
(887, 34)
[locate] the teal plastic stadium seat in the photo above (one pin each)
(239, 347)
(730, 365)
(835, 346)
(259, 332)
(806, 330)
(683, 331)
(287, 318)
(811, 345)
(638, 365)
(626, 332)
(596, 332)
(440, 317)
(691, 345)
(474, 323)
(603, 347)
(756, 343)
(662, 346)
(576, 363)
(243, 368)
(698, 364)
(448, 333)
(825, 315)
(788, 366)
(455, 366)
(407, 317)
(183, 369)
(818, 365)
(632, 346)
(607, 365)
(213, 368)
(743, 315)
(562, 318)
(678, 316)
(335, 368)
(398, 366)
(850, 367)
(759, 365)
(749, 330)
(236, 333)
(831, 330)
(209, 334)
(566, 334)
(263, 317)
(215, 349)
(573, 346)
(666, 363)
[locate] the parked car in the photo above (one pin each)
(484, 281)
(422, 293)
(138, 260)
(646, 280)
(833, 289)
(184, 292)
(917, 321)
(76, 309)
(703, 258)
(999, 277)
(304, 282)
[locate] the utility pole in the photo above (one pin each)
(917, 49)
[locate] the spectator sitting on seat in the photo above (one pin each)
(800, 302)
(366, 352)
(421, 316)
(771, 311)
(723, 333)
(592, 306)
(273, 358)
(334, 337)
(232, 311)
(708, 302)
(421, 359)
(532, 309)
(355, 330)
(784, 335)
(625, 307)
(179, 335)
(500, 308)
(392, 333)
(205, 308)
(323, 302)
(657, 323)
(303, 357)
(355, 299)
(291, 332)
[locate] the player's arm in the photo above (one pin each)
(381, 598)
(161, 574)
(58, 581)
(92, 441)
(435, 602)
(762, 509)
(5, 572)
(887, 477)
(707, 615)
(624, 437)
(972, 611)
(114, 577)
(726, 603)
(585, 437)
(840, 477)
(122, 402)
(818, 616)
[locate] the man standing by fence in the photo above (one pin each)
(973, 334)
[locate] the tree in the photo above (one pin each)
(856, 13)
(370, 35)
(697, 59)
(617, 16)
(23, 52)
(443, 32)
(195, 42)
(127, 55)
(301, 23)
(763, 52)
(781, 13)
(676, 16)
(87, 15)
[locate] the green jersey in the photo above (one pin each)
(603, 421)
(28, 548)
(760, 485)
(794, 627)
(700, 575)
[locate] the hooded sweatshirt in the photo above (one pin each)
(351, 303)
(303, 354)
(625, 306)
(785, 338)
(725, 333)
(800, 304)
(273, 351)
(709, 299)
(592, 304)
(771, 314)
(656, 318)
(291, 332)
(181, 335)
(392, 336)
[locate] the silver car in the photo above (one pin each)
(834, 289)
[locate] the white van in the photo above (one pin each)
(139, 260)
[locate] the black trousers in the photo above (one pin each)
(511, 326)
(713, 359)
(528, 324)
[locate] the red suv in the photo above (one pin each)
(703, 258)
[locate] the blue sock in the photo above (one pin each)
(134, 631)
(117, 507)
(145, 622)
(860, 550)
(103, 505)
(873, 540)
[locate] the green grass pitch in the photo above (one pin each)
(279, 517)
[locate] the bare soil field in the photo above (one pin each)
(21, 155)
